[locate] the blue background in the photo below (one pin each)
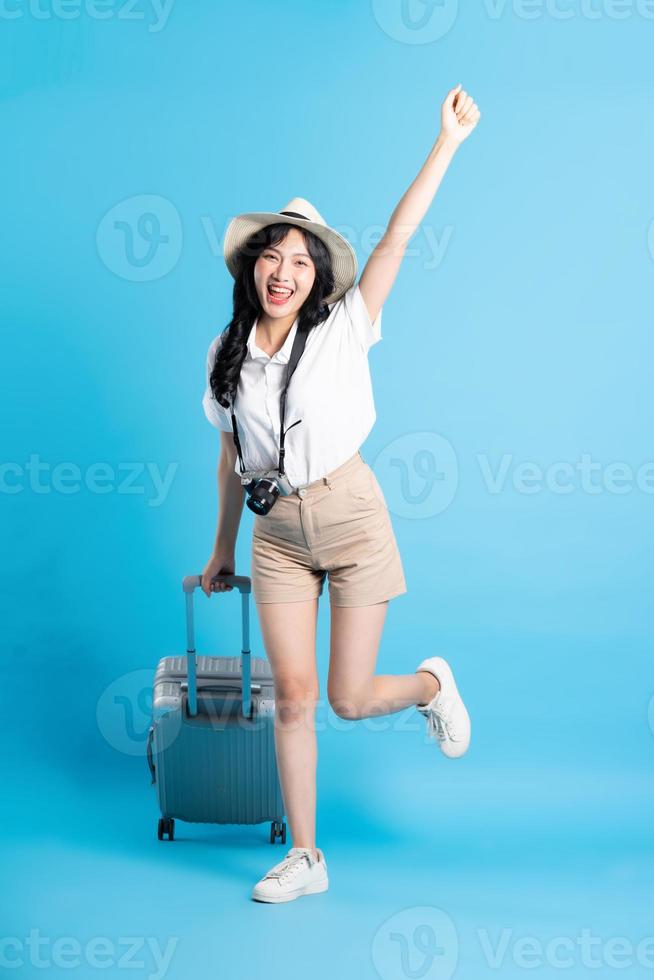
(529, 339)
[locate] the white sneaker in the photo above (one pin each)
(448, 721)
(299, 873)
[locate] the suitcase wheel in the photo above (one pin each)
(166, 826)
(277, 829)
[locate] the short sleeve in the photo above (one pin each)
(367, 331)
(217, 415)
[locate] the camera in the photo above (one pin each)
(264, 489)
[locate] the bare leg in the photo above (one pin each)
(353, 688)
(289, 636)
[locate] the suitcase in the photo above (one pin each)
(211, 743)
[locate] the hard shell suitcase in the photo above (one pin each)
(211, 743)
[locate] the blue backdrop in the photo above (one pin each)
(513, 443)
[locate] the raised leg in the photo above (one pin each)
(353, 688)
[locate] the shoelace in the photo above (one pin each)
(290, 864)
(439, 722)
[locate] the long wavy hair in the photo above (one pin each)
(232, 351)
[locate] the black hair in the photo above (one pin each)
(232, 349)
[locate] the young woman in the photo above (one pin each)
(293, 274)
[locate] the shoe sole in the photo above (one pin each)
(318, 886)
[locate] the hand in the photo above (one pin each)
(220, 563)
(459, 115)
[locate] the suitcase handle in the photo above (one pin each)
(240, 582)
(218, 687)
(189, 584)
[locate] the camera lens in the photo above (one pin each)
(263, 496)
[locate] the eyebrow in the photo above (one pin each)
(271, 248)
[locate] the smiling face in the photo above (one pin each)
(284, 275)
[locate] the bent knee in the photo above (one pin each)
(346, 707)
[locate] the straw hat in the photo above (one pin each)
(302, 213)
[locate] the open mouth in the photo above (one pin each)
(278, 295)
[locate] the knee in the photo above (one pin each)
(345, 707)
(294, 698)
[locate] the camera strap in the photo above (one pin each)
(299, 342)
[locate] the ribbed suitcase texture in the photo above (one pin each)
(216, 764)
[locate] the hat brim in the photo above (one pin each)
(343, 256)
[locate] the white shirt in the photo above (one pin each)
(330, 390)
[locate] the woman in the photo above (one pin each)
(295, 275)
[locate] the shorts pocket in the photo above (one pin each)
(363, 496)
(376, 489)
(274, 524)
(365, 490)
(360, 488)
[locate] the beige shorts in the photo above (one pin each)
(338, 525)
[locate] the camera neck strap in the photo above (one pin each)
(299, 342)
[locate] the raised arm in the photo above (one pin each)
(459, 116)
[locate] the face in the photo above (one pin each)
(284, 275)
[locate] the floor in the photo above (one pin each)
(464, 870)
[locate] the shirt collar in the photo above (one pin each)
(282, 355)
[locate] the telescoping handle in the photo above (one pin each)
(241, 582)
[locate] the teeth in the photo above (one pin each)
(282, 292)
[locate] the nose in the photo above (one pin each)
(282, 276)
